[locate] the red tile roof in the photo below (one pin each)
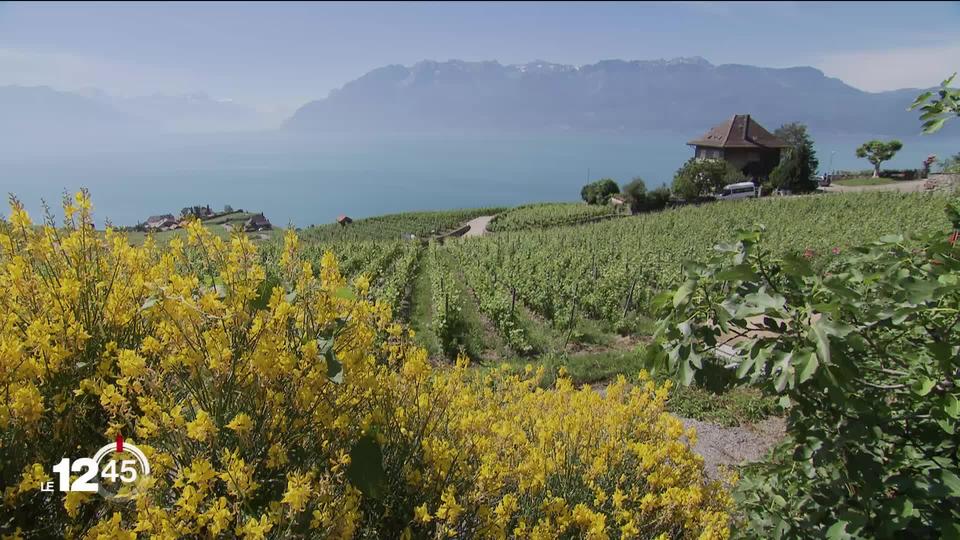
(740, 131)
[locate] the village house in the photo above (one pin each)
(344, 220)
(743, 143)
(161, 222)
(257, 223)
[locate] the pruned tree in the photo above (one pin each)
(876, 152)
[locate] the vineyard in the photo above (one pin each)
(540, 289)
(537, 216)
(394, 226)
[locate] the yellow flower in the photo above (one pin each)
(254, 529)
(421, 514)
(201, 428)
(298, 492)
(131, 364)
(241, 424)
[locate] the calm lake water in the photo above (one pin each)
(308, 180)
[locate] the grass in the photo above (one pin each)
(731, 407)
(421, 310)
(137, 238)
(864, 181)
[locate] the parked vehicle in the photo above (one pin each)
(823, 180)
(740, 190)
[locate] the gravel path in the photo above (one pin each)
(735, 445)
(478, 226)
(900, 185)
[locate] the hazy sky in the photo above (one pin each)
(282, 54)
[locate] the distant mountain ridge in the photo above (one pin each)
(44, 113)
(681, 94)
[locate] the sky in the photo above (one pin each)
(277, 55)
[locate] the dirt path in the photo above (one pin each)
(733, 446)
(478, 226)
(904, 186)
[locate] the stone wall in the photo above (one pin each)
(942, 182)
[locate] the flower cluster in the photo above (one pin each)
(299, 407)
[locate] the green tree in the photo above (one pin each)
(702, 177)
(876, 152)
(636, 193)
(642, 200)
(936, 111)
(794, 172)
(599, 192)
(796, 135)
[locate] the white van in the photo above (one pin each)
(740, 190)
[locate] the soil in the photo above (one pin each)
(732, 446)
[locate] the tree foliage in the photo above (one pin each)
(876, 152)
(936, 111)
(599, 192)
(703, 177)
(794, 172)
(803, 155)
(866, 359)
(641, 200)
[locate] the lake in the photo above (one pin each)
(310, 180)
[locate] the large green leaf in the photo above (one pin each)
(366, 471)
(806, 363)
(683, 292)
(922, 386)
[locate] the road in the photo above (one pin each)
(478, 226)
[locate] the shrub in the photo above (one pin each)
(865, 357)
(703, 177)
(642, 200)
(297, 407)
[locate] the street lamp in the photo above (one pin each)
(831, 162)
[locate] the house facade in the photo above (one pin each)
(743, 143)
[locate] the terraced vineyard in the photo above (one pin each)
(543, 284)
(537, 216)
(394, 226)
(606, 271)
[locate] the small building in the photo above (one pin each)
(161, 222)
(743, 143)
(257, 222)
(344, 220)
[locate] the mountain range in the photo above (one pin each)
(683, 95)
(41, 112)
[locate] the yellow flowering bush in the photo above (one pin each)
(300, 409)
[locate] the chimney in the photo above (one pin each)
(746, 127)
